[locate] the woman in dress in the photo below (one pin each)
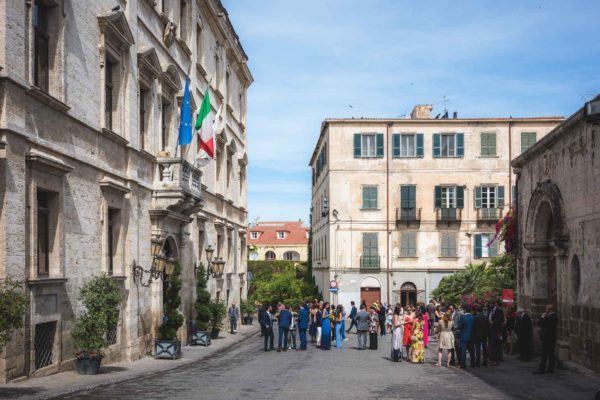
(319, 324)
(408, 323)
(339, 318)
(425, 327)
(445, 339)
(397, 326)
(418, 347)
(312, 329)
(326, 328)
(373, 324)
(388, 319)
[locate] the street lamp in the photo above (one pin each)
(215, 267)
(161, 266)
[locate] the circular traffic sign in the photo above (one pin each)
(333, 284)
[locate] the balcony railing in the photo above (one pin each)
(408, 214)
(489, 214)
(449, 214)
(369, 262)
(177, 185)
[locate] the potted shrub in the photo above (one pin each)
(199, 330)
(168, 345)
(217, 315)
(101, 302)
(247, 309)
(13, 306)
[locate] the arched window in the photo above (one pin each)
(291, 256)
(270, 255)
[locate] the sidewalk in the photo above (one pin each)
(67, 382)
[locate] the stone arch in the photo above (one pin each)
(370, 282)
(170, 247)
(546, 204)
(291, 256)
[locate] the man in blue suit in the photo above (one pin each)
(303, 318)
(267, 323)
(352, 316)
(284, 322)
(467, 322)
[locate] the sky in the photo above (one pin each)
(316, 59)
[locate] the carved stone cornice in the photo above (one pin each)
(148, 64)
(114, 27)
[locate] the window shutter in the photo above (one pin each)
(452, 245)
(420, 138)
(477, 196)
(445, 248)
(478, 250)
(412, 197)
(438, 197)
(484, 144)
(436, 145)
(374, 197)
(499, 196)
(514, 195)
(412, 245)
(380, 145)
(404, 196)
(460, 144)
(460, 197)
(493, 249)
(492, 144)
(396, 145)
(404, 248)
(357, 149)
(365, 197)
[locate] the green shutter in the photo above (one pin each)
(438, 197)
(365, 197)
(404, 196)
(379, 145)
(412, 197)
(444, 243)
(412, 244)
(477, 196)
(484, 145)
(460, 144)
(420, 138)
(492, 144)
(460, 197)
(404, 245)
(451, 245)
(396, 145)
(493, 249)
(514, 195)
(478, 250)
(437, 145)
(357, 149)
(374, 197)
(499, 196)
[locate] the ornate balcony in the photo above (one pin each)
(448, 214)
(177, 186)
(489, 214)
(370, 262)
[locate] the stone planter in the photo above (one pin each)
(88, 365)
(168, 349)
(247, 320)
(197, 337)
(214, 333)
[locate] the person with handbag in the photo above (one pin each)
(373, 325)
(397, 333)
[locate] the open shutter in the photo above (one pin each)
(365, 197)
(380, 145)
(420, 138)
(478, 250)
(484, 144)
(437, 145)
(477, 193)
(460, 197)
(357, 150)
(438, 197)
(396, 145)
(460, 144)
(493, 249)
(499, 196)
(514, 195)
(412, 197)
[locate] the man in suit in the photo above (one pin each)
(480, 337)
(261, 314)
(284, 322)
(362, 326)
(352, 316)
(456, 316)
(524, 329)
(496, 320)
(548, 325)
(303, 319)
(267, 322)
(466, 338)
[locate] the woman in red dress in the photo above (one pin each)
(409, 317)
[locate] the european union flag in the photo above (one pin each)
(185, 126)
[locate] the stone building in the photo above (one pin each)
(90, 174)
(558, 184)
(400, 203)
(278, 240)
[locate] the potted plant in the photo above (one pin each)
(217, 315)
(101, 303)
(199, 330)
(247, 309)
(168, 345)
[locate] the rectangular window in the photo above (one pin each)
(44, 344)
(514, 195)
(483, 249)
(165, 125)
(219, 245)
(408, 244)
(488, 197)
(41, 46)
(254, 235)
(182, 20)
(448, 245)
(408, 202)
(199, 46)
(111, 237)
(280, 235)
(43, 233)
(448, 197)
(488, 145)
(368, 145)
(370, 256)
(527, 140)
(108, 94)
(448, 146)
(144, 116)
(369, 197)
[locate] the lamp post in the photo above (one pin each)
(215, 267)
(161, 266)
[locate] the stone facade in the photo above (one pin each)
(278, 240)
(89, 170)
(559, 229)
(400, 203)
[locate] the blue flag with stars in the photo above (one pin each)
(185, 126)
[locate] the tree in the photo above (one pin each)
(172, 317)
(203, 313)
(13, 305)
(281, 281)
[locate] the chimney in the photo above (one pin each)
(421, 111)
(455, 115)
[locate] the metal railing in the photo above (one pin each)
(370, 262)
(408, 214)
(489, 214)
(448, 214)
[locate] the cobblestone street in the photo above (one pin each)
(245, 371)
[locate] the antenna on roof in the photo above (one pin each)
(445, 101)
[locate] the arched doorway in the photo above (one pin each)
(270, 255)
(291, 256)
(169, 250)
(370, 291)
(408, 294)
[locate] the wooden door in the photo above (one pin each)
(370, 295)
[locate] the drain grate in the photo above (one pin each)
(44, 343)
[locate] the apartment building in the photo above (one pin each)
(91, 178)
(278, 240)
(400, 203)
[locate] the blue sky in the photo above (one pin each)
(311, 59)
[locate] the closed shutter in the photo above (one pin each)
(420, 144)
(404, 245)
(451, 245)
(437, 145)
(460, 144)
(499, 196)
(380, 145)
(412, 197)
(493, 249)
(396, 145)
(478, 249)
(404, 196)
(438, 197)
(477, 193)
(412, 244)
(370, 244)
(444, 243)
(460, 197)
(492, 144)
(357, 150)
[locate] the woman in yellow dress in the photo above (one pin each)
(417, 354)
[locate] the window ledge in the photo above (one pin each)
(406, 157)
(369, 158)
(408, 257)
(118, 278)
(184, 46)
(46, 281)
(370, 209)
(48, 99)
(201, 69)
(488, 157)
(230, 109)
(113, 136)
(447, 258)
(218, 93)
(449, 157)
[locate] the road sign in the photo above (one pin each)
(333, 284)
(508, 296)
(333, 290)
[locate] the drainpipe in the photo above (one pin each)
(387, 206)
(509, 163)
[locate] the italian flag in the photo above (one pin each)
(205, 128)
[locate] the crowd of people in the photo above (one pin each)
(485, 333)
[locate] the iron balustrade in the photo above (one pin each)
(370, 262)
(489, 214)
(449, 214)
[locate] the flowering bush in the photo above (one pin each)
(482, 300)
(506, 231)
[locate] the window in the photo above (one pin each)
(291, 256)
(489, 196)
(514, 195)
(43, 233)
(165, 124)
(111, 246)
(368, 145)
(270, 255)
(229, 167)
(408, 202)
(219, 246)
(254, 235)
(488, 144)
(280, 235)
(41, 46)
(199, 45)
(448, 145)
(483, 248)
(448, 245)
(407, 145)
(183, 13)
(144, 116)
(449, 197)
(369, 197)
(109, 106)
(370, 256)
(408, 244)
(527, 140)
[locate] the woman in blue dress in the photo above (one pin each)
(326, 328)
